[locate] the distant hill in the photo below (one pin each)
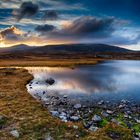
(19, 48)
(70, 48)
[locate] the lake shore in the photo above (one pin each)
(23, 117)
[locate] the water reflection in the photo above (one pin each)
(111, 80)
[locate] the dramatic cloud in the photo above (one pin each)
(11, 33)
(50, 15)
(95, 21)
(87, 25)
(44, 28)
(27, 9)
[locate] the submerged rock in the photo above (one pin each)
(50, 81)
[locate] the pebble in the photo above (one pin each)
(14, 133)
(1, 117)
(75, 126)
(101, 102)
(74, 118)
(77, 106)
(65, 96)
(96, 118)
(93, 128)
(109, 112)
(104, 114)
(54, 113)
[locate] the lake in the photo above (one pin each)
(110, 80)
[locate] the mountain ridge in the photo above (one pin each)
(66, 48)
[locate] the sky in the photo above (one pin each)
(44, 22)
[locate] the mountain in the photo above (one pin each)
(19, 48)
(67, 48)
(81, 48)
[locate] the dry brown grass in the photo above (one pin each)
(47, 62)
(31, 119)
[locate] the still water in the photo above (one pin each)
(109, 80)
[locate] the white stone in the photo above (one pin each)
(93, 128)
(96, 118)
(77, 106)
(15, 133)
(54, 113)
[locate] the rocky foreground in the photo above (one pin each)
(93, 117)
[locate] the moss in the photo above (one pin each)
(103, 123)
(136, 128)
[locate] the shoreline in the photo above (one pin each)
(93, 117)
(21, 114)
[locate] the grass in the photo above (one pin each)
(48, 62)
(32, 120)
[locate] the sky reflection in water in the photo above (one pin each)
(110, 80)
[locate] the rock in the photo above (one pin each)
(1, 117)
(87, 125)
(75, 126)
(113, 135)
(110, 112)
(123, 101)
(65, 96)
(50, 81)
(96, 118)
(115, 121)
(54, 113)
(104, 114)
(48, 137)
(77, 106)
(101, 102)
(93, 128)
(74, 118)
(126, 116)
(14, 133)
(122, 106)
(138, 121)
(63, 116)
(77, 136)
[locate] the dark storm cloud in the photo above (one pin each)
(50, 15)
(27, 9)
(87, 25)
(44, 28)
